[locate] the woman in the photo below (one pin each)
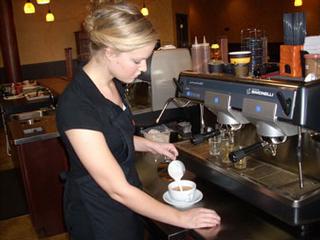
(103, 199)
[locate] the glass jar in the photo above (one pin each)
(255, 41)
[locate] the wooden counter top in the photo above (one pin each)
(21, 131)
(55, 84)
(200, 151)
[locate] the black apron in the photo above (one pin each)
(90, 213)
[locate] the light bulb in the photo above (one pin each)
(215, 46)
(29, 8)
(49, 16)
(43, 1)
(297, 3)
(144, 11)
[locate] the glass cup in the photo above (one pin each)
(162, 169)
(231, 140)
(225, 148)
(242, 163)
(214, 145)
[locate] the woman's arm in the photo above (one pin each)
(95, 155)
(144, 145)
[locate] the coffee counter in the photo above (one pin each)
(240, 220)
(40, 156)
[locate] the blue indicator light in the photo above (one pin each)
(216, 100)
(189, 93)
(258, 108)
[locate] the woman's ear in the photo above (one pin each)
(110, 52)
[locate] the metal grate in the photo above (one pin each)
(282, 181)
(260, 172)
(293, 190)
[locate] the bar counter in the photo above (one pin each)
(240, 220)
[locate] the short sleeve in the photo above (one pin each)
(79, 114)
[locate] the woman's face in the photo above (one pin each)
(127, 66)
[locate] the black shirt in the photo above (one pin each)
(82, 106)
(90, 213)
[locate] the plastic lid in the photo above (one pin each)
(312, 56)
(204, 42)
(238, 53)
(195, 42)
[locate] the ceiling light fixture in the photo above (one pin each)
(297, 3)
(28, 7)
(43, 2)
(144, 10)
(49, 16)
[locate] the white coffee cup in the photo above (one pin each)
(182, 191)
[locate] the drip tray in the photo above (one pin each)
(278, 180)
(269, 187)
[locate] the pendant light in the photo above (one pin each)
(41, 2)
(28, 7)
(144, 10)
(297, 3)
(49, 16)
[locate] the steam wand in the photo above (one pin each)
(175, 101)
(299, 155)
(202, 124)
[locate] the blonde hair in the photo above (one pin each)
(119, 26)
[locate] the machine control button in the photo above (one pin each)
(284, 102)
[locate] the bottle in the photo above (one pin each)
(13, 89)
(215, 51)
(224, 50)
(196, 55)
(205, 55)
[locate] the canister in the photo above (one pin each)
(241, 69)
(312, 64)
(216, 66)
(240, 57)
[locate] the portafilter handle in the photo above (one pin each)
(235, 156)
(199, 138)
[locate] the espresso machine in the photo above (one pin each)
(275, 122)
(155, 88)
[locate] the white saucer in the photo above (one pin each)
(196, 198)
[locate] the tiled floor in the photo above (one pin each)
(18, 228)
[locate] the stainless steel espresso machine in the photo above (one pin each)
(275, 122)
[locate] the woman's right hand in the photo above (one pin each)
(199, 218)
